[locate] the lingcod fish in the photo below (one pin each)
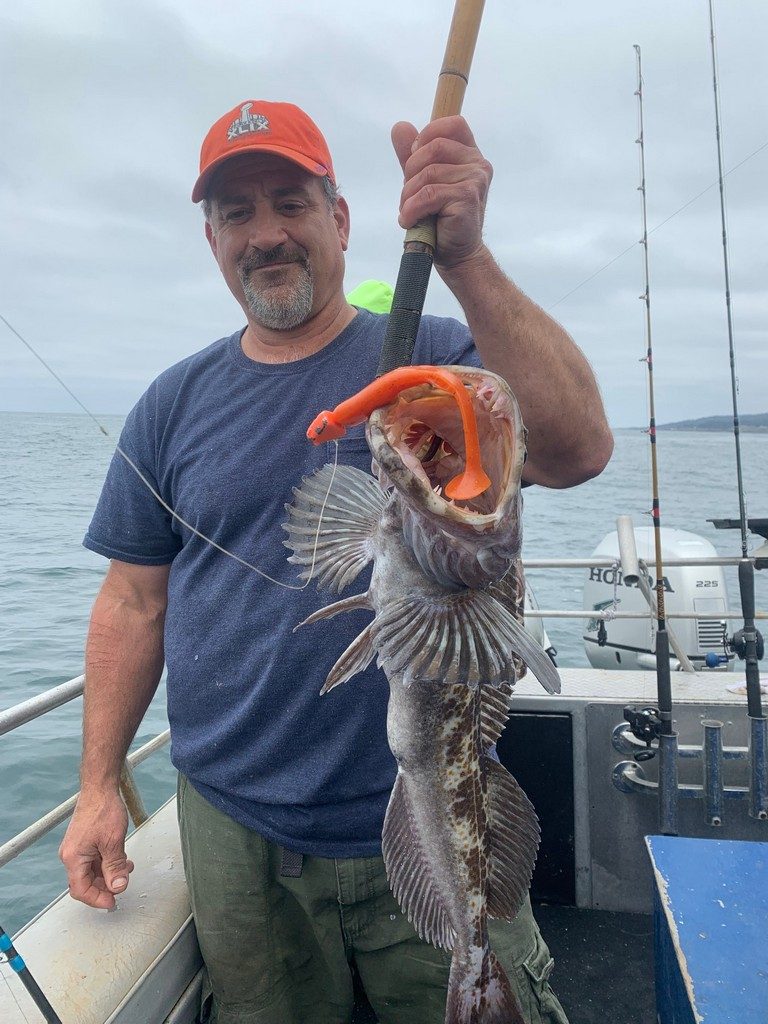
(460, 836)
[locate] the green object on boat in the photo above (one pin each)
(373, 295)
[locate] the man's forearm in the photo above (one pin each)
(569, 438)
(123, 665)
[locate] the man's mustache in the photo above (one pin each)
(257, 258)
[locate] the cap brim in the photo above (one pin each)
(201, 185)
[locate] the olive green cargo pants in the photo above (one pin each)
(278, 949)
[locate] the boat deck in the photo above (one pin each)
(603, 965)
(599, 685)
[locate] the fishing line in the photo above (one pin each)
(55, 375)
(231, 554)
(166, 506)
(656, 228)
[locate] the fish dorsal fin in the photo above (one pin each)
(463, 636)
(409, 872)
(350, 511)
(514, 831)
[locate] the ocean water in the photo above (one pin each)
(52, 469)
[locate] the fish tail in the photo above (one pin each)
(483, 996)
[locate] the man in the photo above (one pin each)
(282, 793)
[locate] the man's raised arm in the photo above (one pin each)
(447, 176)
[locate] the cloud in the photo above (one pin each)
(104, 264)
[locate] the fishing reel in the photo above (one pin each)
(645, 725)
(738, 644)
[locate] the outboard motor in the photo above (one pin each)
(629, 643)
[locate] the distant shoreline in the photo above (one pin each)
(751, 423)
(710, 430)
(722, 424)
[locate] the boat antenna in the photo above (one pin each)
(16, 962)
(667, 735)
(746, 642)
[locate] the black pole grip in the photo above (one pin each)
(751, 666)
(747, 589)
(663, 681)
(405, 316)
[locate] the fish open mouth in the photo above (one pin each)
(423, 427)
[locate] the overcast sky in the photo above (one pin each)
(103, 263)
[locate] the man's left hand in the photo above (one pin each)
(447, 176)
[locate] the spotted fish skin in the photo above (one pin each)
(460, 836)
(437, 826)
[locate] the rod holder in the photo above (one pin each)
(630, 777)
(713, 771)
(624, 742)
(758, 763)
(668, 784)
(630, 566)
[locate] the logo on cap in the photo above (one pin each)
(247, 122)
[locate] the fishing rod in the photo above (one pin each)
(420, 240)
(667, 735)
(17, 964)
(748, 642)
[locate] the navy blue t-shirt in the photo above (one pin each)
(223, 439)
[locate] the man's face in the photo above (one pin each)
(277, 240)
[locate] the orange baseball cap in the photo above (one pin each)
(258, 126)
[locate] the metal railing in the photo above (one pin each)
(29, 710)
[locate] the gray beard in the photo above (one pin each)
(276, 314)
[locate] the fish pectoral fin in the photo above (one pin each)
(356, 658)
(331, 523)
(463, 636)
(445, 639)
(510, 632)
(410, 874)
(515, 834)
(509, 591)
(347, 604)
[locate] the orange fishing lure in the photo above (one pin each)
(331, 425)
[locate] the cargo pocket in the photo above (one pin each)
(540, 1004)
